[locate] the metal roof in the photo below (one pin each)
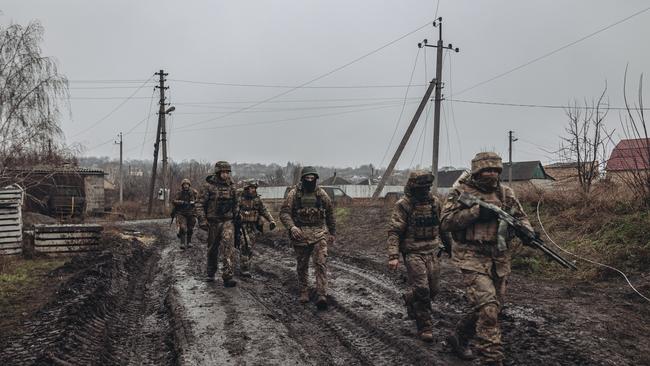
(630, 154)
(60, 170)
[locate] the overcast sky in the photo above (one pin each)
(109, 49)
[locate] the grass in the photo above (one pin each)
(341, 214)
(23, 283)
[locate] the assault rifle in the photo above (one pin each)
(527, 236)
(240, 232)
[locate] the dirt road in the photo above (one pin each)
(148, 304)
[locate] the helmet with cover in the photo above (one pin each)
(307, 170)
(486, 160)
(222, 166)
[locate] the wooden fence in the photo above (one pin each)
(11, 238)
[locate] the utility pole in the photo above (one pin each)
(405, 139)
(161, 121)
(121, 170)
(511, 139)
(437, 98)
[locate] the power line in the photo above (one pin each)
(293, 87)
(554, 51)
(112, 111)
(401, 112)
(318, 77)
(548, 106)
(108, 81)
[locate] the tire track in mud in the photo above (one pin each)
(363, 315)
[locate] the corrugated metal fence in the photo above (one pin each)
(11, 238)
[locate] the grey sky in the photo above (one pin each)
(291, 42)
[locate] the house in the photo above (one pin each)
(61, 190)
(567, 173)
(629, 156)
(334, 181)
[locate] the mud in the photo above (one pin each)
(149, 304)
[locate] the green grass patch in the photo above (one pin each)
(21, 278)
(341, 214)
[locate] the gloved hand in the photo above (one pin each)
(297, 234)
(485, 214)
(393, 264)
(272, 225)
(331, 239)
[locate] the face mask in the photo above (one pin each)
(309, 186)
(487, 182)
(420, 192)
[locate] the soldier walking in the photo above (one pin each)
(308, 214)
(216, 208)
(250, 225)
(483, 253)
(184, 202)
(414, 232)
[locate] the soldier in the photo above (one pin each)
(484, 263)
(184, 212)
(216, 208)
(250, 225)
(308, 214)
(414, 232)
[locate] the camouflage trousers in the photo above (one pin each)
(221, 236)
(246, 246)
(480, 324)
(423, 272)
(185, 225)
(318, 253)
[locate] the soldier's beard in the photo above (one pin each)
(309, 186)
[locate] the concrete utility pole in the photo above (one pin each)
(405, 139)
(161, 122)
(437, 98)
(121, 170)
(511, 139)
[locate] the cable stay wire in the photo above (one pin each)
(322, 76)
(401, 112)
(146, 129)
(453, 113)
(417, 145)
(587, 259)
(112, 111)
(548, 54)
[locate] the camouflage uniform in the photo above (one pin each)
(414, 232)
(216, 208)
(484, 267)
(251, 212)
(184, 202)
(313, 214)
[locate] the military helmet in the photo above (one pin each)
(307, 170)
(184, 181)
(486, 160)
(222, 166)
(251, 183)
(420, 178)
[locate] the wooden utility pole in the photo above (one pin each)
(511, 139)
(437, 98)
(121, 168)
(405, 139)
(161, 122)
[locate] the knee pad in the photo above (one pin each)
(489, 313)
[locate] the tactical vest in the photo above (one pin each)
(248, 210)
(308, 209)
(222, 197)
(423, 222)
(485, 231)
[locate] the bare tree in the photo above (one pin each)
(31, 91)
(586, 139)
(637, 163)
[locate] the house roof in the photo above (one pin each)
(334, 180)
(525, 170)
(59, 170)
(447, 178)
(630, 154)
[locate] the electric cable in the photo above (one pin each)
(587, 259)
(554, 51)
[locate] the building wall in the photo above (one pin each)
(94, 191)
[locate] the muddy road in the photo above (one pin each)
(146, 303)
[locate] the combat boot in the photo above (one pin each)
(321, 303)
(460, 347)
(188, 244)
(229, 282)
(426, 335)
(245, 273)
(182, 240)
(209, 278)
(304, 296)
